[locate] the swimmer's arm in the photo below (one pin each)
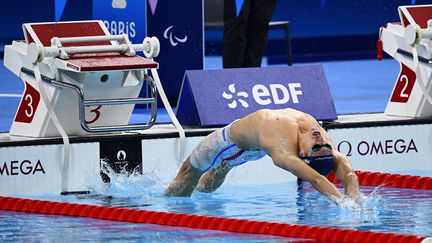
(185, 182)
(345, 173)
(299, 168)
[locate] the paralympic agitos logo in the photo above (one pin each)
(24, 167)
(173, 39)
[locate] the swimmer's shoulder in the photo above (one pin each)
(265, 119)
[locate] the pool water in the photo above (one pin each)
(22, 227)
(402, 211)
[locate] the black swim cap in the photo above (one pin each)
(322, 164)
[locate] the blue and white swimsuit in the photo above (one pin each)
(218, 147)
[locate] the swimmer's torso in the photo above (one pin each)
(251, 138)
(283, 127)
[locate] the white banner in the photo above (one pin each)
(392, 149)
(30, 170)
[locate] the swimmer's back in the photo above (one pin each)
(249, 131)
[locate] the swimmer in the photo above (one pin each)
(294, 140)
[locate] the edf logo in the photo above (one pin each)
(277, 94)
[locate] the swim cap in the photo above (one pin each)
(322, 164)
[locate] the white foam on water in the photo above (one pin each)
(148, 185)
(367, 203)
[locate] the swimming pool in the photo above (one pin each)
(391, 210)
(20, 227)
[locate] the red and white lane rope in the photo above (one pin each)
(389, 180)
(200, 222)
(230, 224)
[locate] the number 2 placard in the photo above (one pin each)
(28, 105)
(404, 85)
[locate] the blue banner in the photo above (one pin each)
(122, 17)
(217, 97)
(179, 27)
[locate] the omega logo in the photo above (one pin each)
(385, 147)
(25, 167)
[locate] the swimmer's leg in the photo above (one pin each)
(213, 179)
(185, 182)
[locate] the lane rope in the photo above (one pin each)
(200, 222)
(232, 224)
(389, 180)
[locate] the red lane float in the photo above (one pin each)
(200, 222)
(389, 180)
(230, 224)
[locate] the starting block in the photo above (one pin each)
(80, 80)
(410, 43)
(79, 76)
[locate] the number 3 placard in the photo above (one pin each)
(29, 104)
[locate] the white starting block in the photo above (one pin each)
(78, 80)
(89, 79)
(410, 43)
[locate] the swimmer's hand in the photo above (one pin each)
(352, 189)
(355, 195)
(347, 202)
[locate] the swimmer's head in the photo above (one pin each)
(320, 150)
(323, 161)
(312, 143)
(322, 164)
(316, 151)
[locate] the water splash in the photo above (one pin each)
(143, 186)
(373, 199)
(367, 203)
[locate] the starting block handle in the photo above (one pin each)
(37, 53)
(125, 46)
(59, 40)
(414, 34)
(123, 101)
